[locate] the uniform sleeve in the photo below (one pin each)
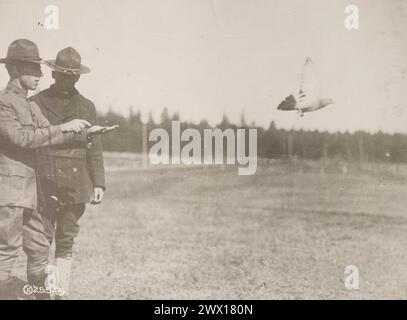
(12, 131)
(95, 156)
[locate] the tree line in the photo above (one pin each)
(272, 142)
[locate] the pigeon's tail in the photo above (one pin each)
(288, 104)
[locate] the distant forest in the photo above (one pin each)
(272, 142)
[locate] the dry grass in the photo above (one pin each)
(206, 233)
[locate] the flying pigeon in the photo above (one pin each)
(308, 98)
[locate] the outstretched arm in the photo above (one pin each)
(12, 131)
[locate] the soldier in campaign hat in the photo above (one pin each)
(69, 176)
(23, 129)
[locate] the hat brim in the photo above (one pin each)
(35, 60)
(81, 70)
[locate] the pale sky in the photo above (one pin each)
(203, 58)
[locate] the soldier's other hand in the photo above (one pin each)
(98, 194)
(75, 126)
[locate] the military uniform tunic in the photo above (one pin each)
(67, 175)
(23, 128)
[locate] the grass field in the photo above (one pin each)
(206, 233)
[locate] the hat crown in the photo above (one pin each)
(23, 49)
(68, 58)
(68, 61)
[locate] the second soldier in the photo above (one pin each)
(68, 177)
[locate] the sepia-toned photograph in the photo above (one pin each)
(203, 150)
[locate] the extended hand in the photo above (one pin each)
(100, 130)
(76, 126)
(98, 194)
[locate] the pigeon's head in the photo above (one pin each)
(325, 102)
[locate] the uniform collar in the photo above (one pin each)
(54, 92)
(17, 90)
(60, 105)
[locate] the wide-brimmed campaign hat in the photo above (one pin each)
(68, 61)
(22, 50)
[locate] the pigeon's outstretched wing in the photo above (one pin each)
(309, 84)
(288, 104)
(309, 96)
